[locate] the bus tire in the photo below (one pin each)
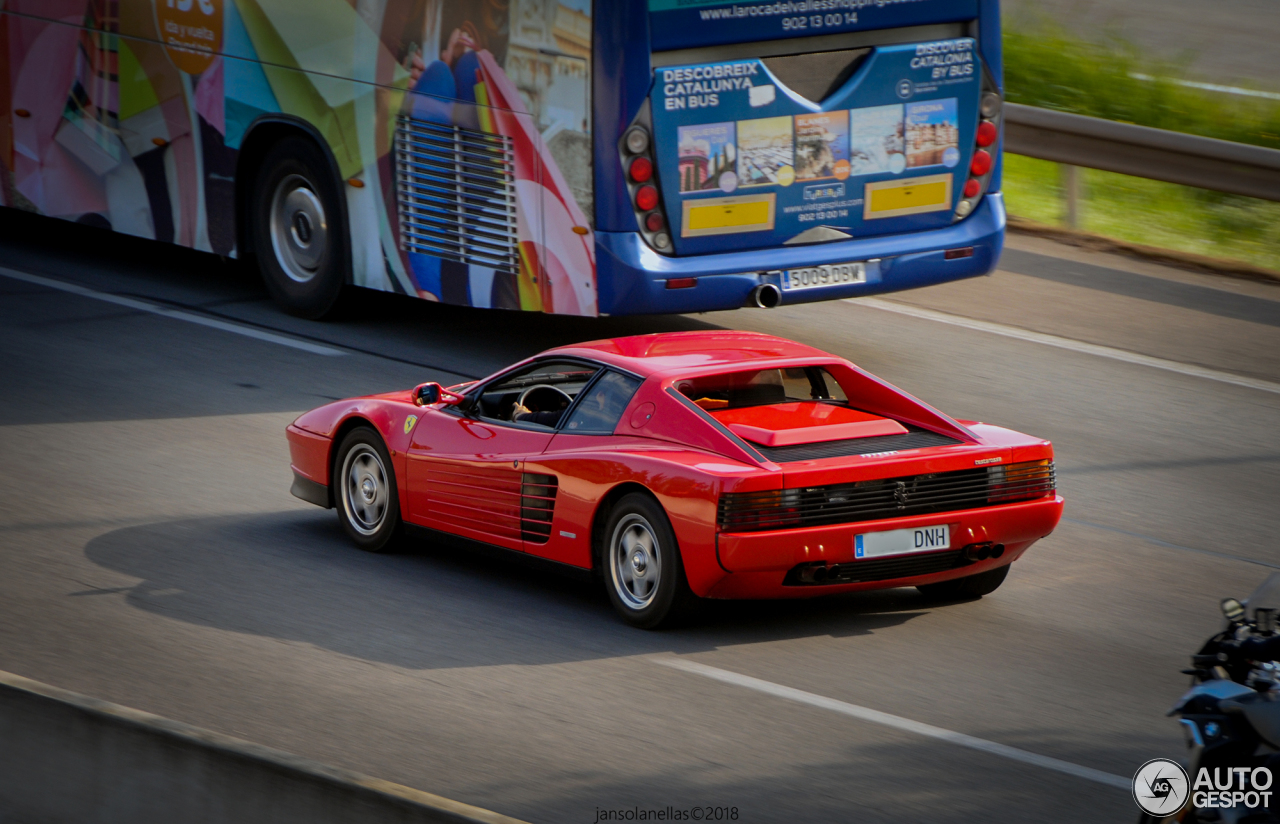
(299, 237)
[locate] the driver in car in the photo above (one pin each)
(546, 417)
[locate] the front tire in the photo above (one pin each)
(643, 571)
(299, 238)
(974, 586)
(364, 489)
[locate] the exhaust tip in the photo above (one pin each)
(820, 574)
(766, 296)
(981, 552)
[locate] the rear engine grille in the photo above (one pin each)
(915, 439)
(537, 506)
(881, 569)
(885, 498)
(456, 192)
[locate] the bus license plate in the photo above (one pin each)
(836, 274)
(902, 541)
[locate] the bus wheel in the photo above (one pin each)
(298, 234)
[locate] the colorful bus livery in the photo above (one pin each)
(542, 155)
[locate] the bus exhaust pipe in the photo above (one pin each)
(766, 296)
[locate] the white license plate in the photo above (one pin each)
(902, 541)
(812, 277)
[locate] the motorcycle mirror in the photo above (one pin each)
(1264, 620)
(1232, 610)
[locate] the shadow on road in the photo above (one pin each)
(292, 575)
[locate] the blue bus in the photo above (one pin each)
(564, 156)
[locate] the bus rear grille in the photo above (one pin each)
(537, 506)
(456, 191)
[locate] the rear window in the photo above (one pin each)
(736, 390)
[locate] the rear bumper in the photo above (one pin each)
(633, 278)
(758, 563)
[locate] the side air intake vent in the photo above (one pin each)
(537, 506)
(456, 192)
(816, 76)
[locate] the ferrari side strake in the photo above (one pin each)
(689, 465)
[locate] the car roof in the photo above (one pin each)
(680, 354)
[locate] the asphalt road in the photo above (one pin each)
(1223, 40)
(153, 556)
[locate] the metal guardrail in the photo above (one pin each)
(1219, 165)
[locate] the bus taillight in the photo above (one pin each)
(647, 198)
(637, 159)
(641, 170)
(982, 166)
(987, 133)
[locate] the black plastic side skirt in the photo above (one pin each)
(500, 554)
(311, 492)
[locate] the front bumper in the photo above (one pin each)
(633, 278)
(758, 563)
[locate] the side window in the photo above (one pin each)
(537, 394)
(602, 406)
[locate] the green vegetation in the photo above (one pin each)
(1158, 214)
(1047, 66)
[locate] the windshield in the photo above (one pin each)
(1266, 596)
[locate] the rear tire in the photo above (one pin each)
(643, 571)
(299, 237)
(974, 586)
(364, 491)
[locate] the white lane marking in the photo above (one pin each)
(1069, 344)
(175, 314)
(1212, 87)
(897, 722)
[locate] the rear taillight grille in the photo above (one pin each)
(537, 506)
(885, 498)
(456, 192)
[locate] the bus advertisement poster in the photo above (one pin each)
(752, 137)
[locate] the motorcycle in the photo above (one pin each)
(1231, 716)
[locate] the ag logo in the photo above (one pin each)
(905, 89)
(1161, 787)
(409, 423)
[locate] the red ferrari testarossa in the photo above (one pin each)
(689, 465)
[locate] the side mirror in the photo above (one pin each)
(430, 393)
(1232, 610)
